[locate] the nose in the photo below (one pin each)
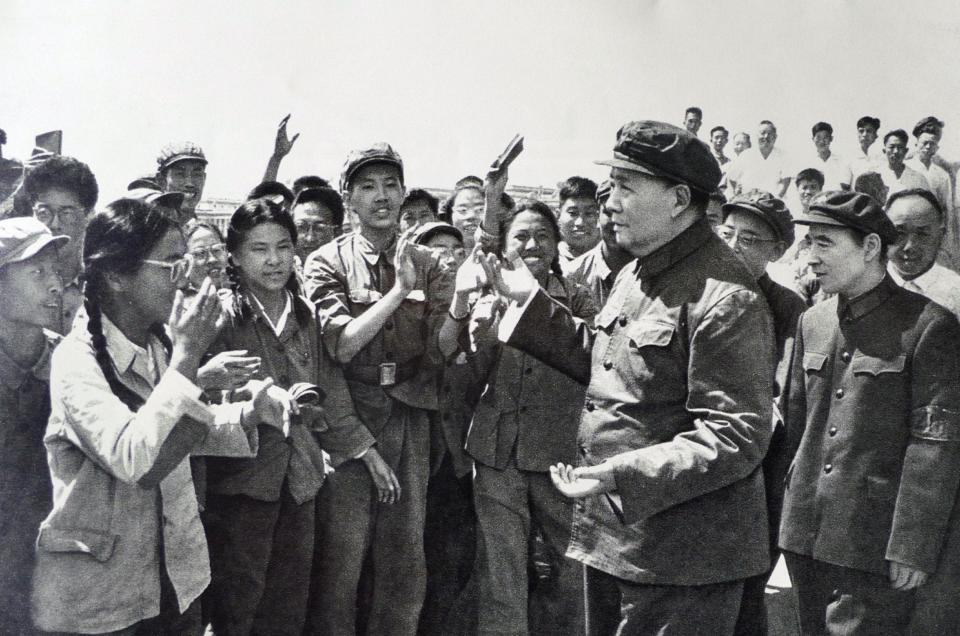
(531, 243)
(578, 221)
(55, 284)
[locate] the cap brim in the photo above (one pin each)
(169, 199)
(817, 218)
(626, 165)
(427, 234)
(174, 160)
(38, 246)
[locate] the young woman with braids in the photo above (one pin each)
(261, 512)
(525, 421)
(123, 550)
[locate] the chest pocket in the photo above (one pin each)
(814, 362)
(649, 355)
(868, 365)
(646, 333)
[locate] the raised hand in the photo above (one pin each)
(282, 145)
(470, 275)
(227, 371)
(194, 323)
(903, 577)
(272, 405)
(515, 283)
(406, 279)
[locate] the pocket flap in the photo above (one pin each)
(643, 333)
(813, 361)
(364, 296)
(876, 366)
(604, 319)
(99, 545)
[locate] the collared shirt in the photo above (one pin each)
(907, 180)
(24, 478)
(836, 171)
(720, 157)
(677, 404)
(863, 162)
(122, 485)
(277, 327)
(346, 277)
(873, 406)
(565, 254)
(591, 270)
(751, 170)
(939, 284)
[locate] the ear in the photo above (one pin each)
(682, 196)
(872, 247)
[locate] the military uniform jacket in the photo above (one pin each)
(680, 370)
(873, 401)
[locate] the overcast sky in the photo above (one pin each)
(449, 82)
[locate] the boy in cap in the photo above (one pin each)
(758, 228)
(873, 407)
(182, 167)
(30, 288)
(61, 192)
(167, 202)
(380, 301)
(671, 516)
(597, 269)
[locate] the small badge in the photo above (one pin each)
(388, 374)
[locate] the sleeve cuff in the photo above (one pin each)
(176, 385)
(511, 317)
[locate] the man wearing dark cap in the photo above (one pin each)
(182, 167)
(168, 202)
(597, 269)
(671, 516)
(30, 288)
(758, 228)
(873, 408)
(380, 303)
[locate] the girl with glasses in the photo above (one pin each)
(123, 549)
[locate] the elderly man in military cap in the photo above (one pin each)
(182, 167)
(670, 517)
(873, 406)
(381, 301)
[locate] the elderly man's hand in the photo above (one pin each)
(576, 483)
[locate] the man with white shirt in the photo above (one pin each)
(718, 139)
(764, 168)
(927, 133)
(866, 158)
(894, 172)
(693, 119)
(836, 173)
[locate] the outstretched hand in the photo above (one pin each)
(584, 481)
(282, 145)
(514, 282)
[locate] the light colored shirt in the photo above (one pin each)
(836, 171)
(282, 320)
(939, 284)
(865, 162)
(751, 170)
(907, 180)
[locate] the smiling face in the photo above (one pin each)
(766, 138)
(265, 259)
(822, 141)
(578, 223)
(740, 228)
(807, 189)
(920, 232)
(740, 143)
(467, 213)
(32, 291)
(532, 238)
(375, 195)
(208, 257)
(839, 261)
(187, 176)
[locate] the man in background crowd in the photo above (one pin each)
(577, 216)
(693, 119)
(718, 140)
(419, 208)
(763, 168)
(182, 167)
(836, 173)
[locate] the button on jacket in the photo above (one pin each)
(122, 485)
(529, 410)
(345, 278)
(874, 403)
(292, 357)
(680, 372)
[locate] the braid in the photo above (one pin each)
(239, 307)
(95, 328)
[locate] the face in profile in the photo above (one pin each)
(32, 291)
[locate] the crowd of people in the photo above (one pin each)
(366, 410)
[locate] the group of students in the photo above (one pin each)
(362, 411)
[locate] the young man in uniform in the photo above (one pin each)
(30, 287)
(758, 228)
(380, 301)
(873, 407)
(182, 167)
(671, 517)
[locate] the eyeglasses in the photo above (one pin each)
(316, 227)
(468, 209)
(458, 253)
(217, 252)
(178, 268)
(728, 234)
(68, 214)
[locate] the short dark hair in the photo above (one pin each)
(923, 193)
(542, 209)
(309, 181)
(716, 128)
(419, 194)
(577, 187)
(810, 174)
(695, 110)
(867, 120)
(193, 228)
(899, 133)
(767, 122)
(327, 197)
(62, 172)
(822, 126)
(269, 189)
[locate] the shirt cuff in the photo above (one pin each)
(176, 384)
(511, 317)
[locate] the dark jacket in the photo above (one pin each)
(873, 403)
(680, 401)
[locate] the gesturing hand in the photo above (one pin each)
(903, 577)
(406, 269)
(272, 405)
(384, 479)
(282, 144)
(470, 275)
(227, 371)
(515, 282)
(194, 323)
(584, 481)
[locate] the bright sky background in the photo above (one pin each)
(448, 82)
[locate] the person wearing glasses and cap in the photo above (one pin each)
(381, 300)
(758, 228)
(182, 167)
(670, 518)
(30, 287)
(872, 409)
